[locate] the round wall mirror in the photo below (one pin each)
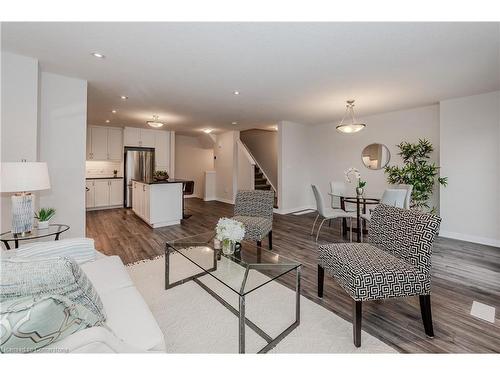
(375, 156)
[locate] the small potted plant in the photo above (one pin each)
(115, 173)
(230, 232)
(361, 184)
(43, 216)
(161, 175)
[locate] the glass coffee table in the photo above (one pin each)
(242, 273)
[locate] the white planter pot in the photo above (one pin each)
(43, 224)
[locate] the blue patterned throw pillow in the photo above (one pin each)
(54, 276)
(30, 323)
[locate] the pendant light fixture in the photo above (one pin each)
(155, 123)
(352, 126)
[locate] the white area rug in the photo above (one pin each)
(195, 322)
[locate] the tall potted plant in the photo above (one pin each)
(417, 171)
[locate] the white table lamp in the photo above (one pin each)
(22, 178)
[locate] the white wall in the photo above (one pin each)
(294, 167)
(192, 160)
(332, 152)
(226, 166)
(19, 116)
(470, 157)
(62, 143)
(246, 168)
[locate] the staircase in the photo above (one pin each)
(261, 183)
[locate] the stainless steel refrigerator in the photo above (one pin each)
(139, 165)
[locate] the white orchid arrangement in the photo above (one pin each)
(229, 230)
(357, 175)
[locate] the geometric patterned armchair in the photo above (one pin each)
(254, 208)
(396, 262)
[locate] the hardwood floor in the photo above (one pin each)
(462, 273)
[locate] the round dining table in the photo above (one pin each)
(359, 201)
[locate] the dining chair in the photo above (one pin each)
(328, 213)
(391, 197)
(409, 190)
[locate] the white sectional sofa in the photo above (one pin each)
(130, 326)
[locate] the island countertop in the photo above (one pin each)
(154, 182)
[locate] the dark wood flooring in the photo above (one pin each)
(462, 273)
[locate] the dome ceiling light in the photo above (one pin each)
(351, 126)
(155, 123)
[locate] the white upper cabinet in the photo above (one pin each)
(162, 150)
(147, 138)
(104, 143)
(115, 144)
(99, 142)
(132, 137)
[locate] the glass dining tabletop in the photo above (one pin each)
(243, 272)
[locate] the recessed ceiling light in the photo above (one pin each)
(234, 123)
(208, 131)
(113, 111)
(236, 92)
(123, 97)
(107, 121)
(98, 55)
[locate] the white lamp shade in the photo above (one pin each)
(24, 176)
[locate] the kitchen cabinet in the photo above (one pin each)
(162, 150)
(136, 137)
(89, 194)
(104, 143)
(159, 205)
(101, 193)
(104, 193)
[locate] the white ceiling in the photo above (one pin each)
(187, 72)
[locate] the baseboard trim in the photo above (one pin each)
(470, 238)
(287, 211)
(224, 200)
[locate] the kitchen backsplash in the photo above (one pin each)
(103, 168)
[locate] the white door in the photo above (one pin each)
(131, 137)
(162, 150)
(138, 198)
(116, 192)
(147, 138)
(115, 144)
(101, 193)
(99, 136)
(89, 194)
(89, 143)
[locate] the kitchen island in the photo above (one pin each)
(158, 203)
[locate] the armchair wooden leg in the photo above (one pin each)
(270, 237)
(321, 280)
(425, 309)
(259, 243)
(356, 323)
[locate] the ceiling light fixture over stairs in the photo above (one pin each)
(353, 126)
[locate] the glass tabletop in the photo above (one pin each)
(52, 230)
(243, 272)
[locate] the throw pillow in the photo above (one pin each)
(80, 250)
(62, 276)
(31, 323)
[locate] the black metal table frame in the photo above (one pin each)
(240, 313)
(359, 201)
(16, 240)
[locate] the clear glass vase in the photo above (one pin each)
(228, 247)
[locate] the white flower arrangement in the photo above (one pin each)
(354, 172)
(229, 230)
